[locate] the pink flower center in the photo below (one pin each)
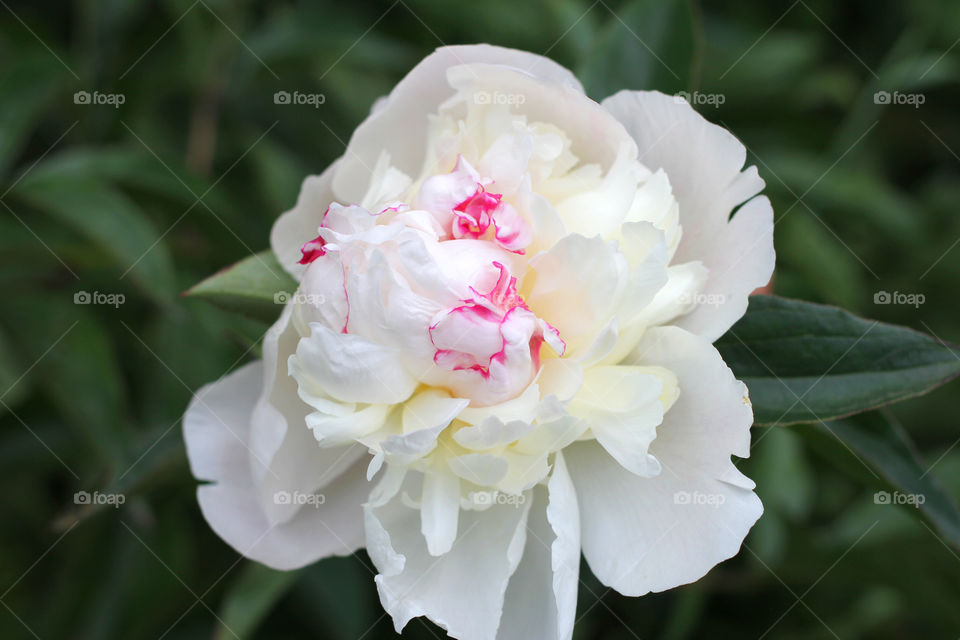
(474, 215)
(493, 334)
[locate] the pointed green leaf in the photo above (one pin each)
(804, 362)
(255, 286)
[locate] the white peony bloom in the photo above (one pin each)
(501, 355)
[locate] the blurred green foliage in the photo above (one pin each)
(145, 198)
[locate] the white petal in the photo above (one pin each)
(652, 534)
(578, 285)
(216, 430)
(411, 433)
(431, 408)
(600, 211)
(220, 411)
(703, 163)
(337, 430)
(740, 260)
(322, 295)
(482, 469)
(654, 203)
(391, 299)
(561, 377)
(349, 368)
(299, 225)
(523, 408)
(624, 405)
(284, 455)
(685, 284)
(524, 470)
(387, 185)
(439, 510)
(492, 432)
(563, 513)
(603, 343)
(399, 126)
(461, 591)
(645, 248)
(599, 139)
(541, 600)
(442, 192)
(713, 410)
(410, 447)
(553, 435)
(548, 227)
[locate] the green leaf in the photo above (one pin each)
(804, 362)
(250, 598)
(889, 455)
(255, 286)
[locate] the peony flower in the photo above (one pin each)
(499, 355)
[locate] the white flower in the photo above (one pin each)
(512, 362)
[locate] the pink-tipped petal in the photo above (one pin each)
(513, 233)
(312, 250)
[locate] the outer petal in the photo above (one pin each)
(703, 162)
(463, 590)
(399, 125)
(740, 260)
(541, 601)
(298, 225)
(652, 534)
(283, 453)
(216, 429)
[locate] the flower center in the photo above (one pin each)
(495, 338)
(465, 209)
(485, 341)
(473, 215)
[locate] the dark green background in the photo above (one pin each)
(196, 164)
